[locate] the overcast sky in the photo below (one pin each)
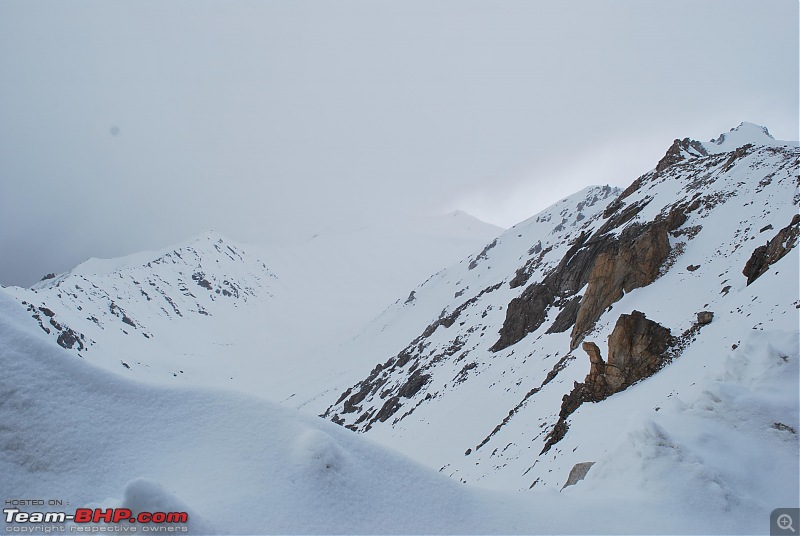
(134, 125)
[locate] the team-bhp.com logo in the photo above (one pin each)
(90, 520)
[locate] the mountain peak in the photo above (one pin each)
(743, 134)
(208, 235)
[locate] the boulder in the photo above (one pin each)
(705, 317)
(779, 245)
(577, 473)
(636, 350)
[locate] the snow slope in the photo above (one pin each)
(541, 236)
(441, 388)
(241, 465)
(746, 133)
(708, 444)
(179, 315)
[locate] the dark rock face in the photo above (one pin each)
(633, 263)
(765, 256)
(676, 153)
(410, 364)
(69, 339)
(566, 318)
(637, 349)
(705, 317)
(610, 264)
(529, 310)
(202, 281)
(482, 255)
(414, 384)
(525, 314)
(388, 409)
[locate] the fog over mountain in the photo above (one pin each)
(129, 127)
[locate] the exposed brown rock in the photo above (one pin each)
(676, 153)
(598, 366)
(637, 349)
(633, 263)
(765, 256)
(618, 214)
(740, 152)
(610, 264)
(705, 317)
(528, 311)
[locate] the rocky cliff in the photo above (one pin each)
(492, 378)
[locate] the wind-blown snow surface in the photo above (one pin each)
(241, 465)
(212, 312)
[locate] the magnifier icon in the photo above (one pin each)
(785, 522)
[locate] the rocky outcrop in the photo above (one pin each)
(578, 473)
(402, 377)
(765, 256)
(705, 317)
(529, 310)
(634, 262)
(482, 255)
(679, 151)
(566, 318)
(525, 314)
(610, 264)
(637, 349)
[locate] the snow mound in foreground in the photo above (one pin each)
(237, 464)
(241, 465)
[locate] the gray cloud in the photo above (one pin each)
(133, 126)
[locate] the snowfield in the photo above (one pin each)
(241, 465)
(193, 379)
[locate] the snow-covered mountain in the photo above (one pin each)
(181, 314)
(575, 337)
(623, 361)
(87, 438)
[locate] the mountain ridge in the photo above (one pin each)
(623, 354)
(697, 211)
(173, 314)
